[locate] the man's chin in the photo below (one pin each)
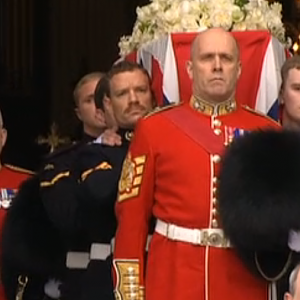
(100, 125)
(134, 118)
(218, 91)
(218, 88)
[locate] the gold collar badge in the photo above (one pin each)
(210, 109)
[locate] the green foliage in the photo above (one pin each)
(241, 3)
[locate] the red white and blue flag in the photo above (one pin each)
(261, 55)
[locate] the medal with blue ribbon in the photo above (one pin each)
(6, 196)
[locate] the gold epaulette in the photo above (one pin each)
(18, 169)
(258, 113)
(159, 109)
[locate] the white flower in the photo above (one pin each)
(221, 19)
(155, 7)
(189, 24)
(255, 20)
(196, 7)
(204, 23)
(140, 13)
(241, 26)
(144, 13)
(185, 7)
(237, 15)
(172, 16)
(125, 45)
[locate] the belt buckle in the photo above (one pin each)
(215, 239)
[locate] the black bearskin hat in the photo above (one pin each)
(259, 195)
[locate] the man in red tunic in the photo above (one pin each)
(171, 172)
(10, 179)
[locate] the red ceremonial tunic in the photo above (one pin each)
(10, 179)
(169, 175)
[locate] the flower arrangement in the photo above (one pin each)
(165, 16)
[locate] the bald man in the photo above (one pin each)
(10, 179)
(171, 172)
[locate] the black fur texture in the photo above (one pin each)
(259, 195)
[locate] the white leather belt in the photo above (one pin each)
(203, 237)
(77, 260)
(80, 260)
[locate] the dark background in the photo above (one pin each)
(45, 47)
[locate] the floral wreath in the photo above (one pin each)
(161, 17)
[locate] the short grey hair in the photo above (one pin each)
(293, 279)
(85, 79)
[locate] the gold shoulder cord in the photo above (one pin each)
(22, 282)
(256, 112)
(282, 272)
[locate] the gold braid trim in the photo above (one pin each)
(128, 282)
(18, 169)
(282, 272)
(55, 179)
(103, 166)
(258, 113)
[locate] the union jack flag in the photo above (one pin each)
(261, 55)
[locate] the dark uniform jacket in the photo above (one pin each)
(79, 196)
(32, 242)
